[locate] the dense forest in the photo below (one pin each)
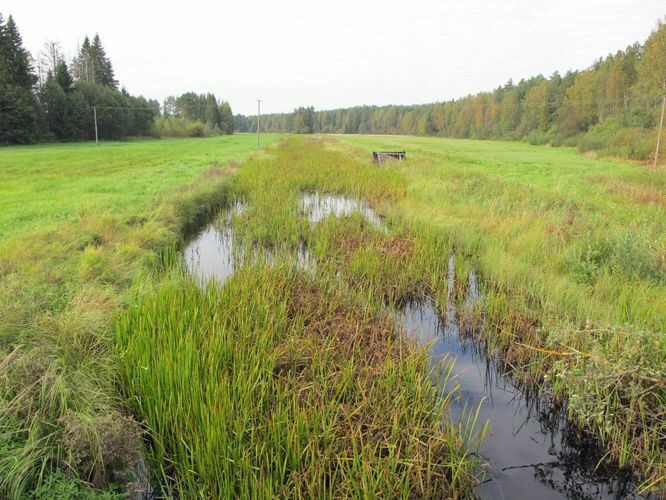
(59, 101)
(612, 107)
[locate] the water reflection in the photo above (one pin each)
(531, 449)
(317, 206)
(216, 254)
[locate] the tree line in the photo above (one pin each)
(58, 101)
(612, 107)
(193, 114)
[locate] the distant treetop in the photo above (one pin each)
(92, 65)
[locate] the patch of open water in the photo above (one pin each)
(317, 206)
(216, 254)
(531, 449)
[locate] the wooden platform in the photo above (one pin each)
(381, 156)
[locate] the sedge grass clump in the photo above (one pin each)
(277, 384)
(393, 267)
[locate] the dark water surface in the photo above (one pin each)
(215, 254)
(532, 452)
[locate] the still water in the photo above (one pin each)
(531, 450)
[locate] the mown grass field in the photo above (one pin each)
(294, 384)
(45, 184)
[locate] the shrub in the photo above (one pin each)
(598, 137)
(538, 138)
(172, 126)
(631, 143)
(611, 138)
(629, 253)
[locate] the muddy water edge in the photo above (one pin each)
(530, 449)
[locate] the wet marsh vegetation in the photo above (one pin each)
(328, 328)
(293, 380)
(346, 316)
(574, 275)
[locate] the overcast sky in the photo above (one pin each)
(337, 53)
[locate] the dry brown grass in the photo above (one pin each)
(637, 193)
(352, 332)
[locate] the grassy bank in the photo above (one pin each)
(573, 254)
(79, 224)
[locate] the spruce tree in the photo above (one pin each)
(18, 105)
(4, 70)
(54, 106)
(16, 67)
(102, 64)
(92, 65)
(63, 77)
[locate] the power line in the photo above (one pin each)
(148, 107)
(140, 108)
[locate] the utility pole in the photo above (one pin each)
(95, 115)
(661, 125)
(258, 117)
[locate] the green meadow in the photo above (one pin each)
(79, 224)
(42, 185)
(582, 238)
(295, 382)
